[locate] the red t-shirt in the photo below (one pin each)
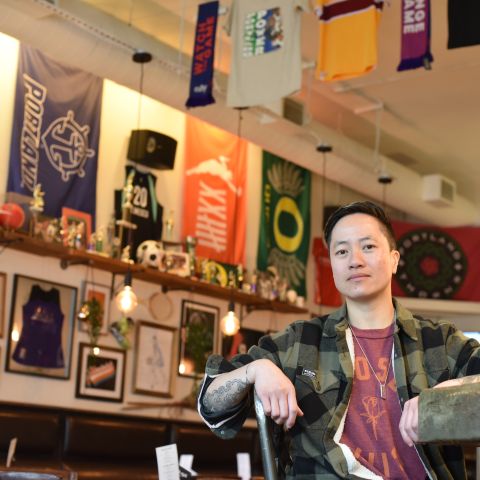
(371, 427)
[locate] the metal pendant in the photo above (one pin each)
(383, 392)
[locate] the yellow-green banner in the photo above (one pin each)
(285, 220)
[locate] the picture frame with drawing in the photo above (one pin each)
(155, 353)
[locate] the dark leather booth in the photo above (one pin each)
(115, 447)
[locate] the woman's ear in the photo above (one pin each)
(395, 259)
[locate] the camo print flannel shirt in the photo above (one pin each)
(315, 356)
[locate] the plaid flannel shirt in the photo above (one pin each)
(316, 357)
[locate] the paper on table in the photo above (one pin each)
(167, 462)
(243, 466)
(186, 461)
(11, 451)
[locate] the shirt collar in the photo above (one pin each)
(337, 321)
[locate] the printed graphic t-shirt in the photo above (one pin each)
(266, 59)
(371, 427)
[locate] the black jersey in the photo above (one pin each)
(146, 212)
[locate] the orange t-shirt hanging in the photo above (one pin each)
(348, 38)
(214, 193)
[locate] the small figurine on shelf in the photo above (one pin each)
(99, 241)
(36, 206)
(91, 242)
(80, 236)
(169, 224)
(232, 279)
(125, 256)
(37, 203)
(71, 234)
(240, 276)
(191, 243)
(253, 282)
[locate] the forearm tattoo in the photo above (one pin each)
(225, 396)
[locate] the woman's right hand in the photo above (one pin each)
(276, 392)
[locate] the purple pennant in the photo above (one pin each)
(415, 35)
(201, 80)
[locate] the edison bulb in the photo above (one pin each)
(126, 299)
(230, 324)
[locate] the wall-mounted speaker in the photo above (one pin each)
(152, 149)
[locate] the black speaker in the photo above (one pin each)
(152, 149)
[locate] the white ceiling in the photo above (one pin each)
(429, 121)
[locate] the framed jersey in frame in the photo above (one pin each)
(40, 333)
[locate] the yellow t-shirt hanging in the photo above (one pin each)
(348, 38)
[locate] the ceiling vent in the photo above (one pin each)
(294, 111)
(438, 190)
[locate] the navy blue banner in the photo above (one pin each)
(56, 127)
(201, 80)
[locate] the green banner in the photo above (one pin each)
(285, 220)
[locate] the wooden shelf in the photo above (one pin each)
(68, 256)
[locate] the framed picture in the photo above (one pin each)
(77, 227)
(155, 353)
(240, 342)
(3, 285)
(100, 376)
(101, 293)
(40, 334)
(197, 337)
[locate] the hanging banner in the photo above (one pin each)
(415, 35)
(201, 79)
(56, 127)
(285, 220)
(325, 291)
(437, 262)
(214, 206)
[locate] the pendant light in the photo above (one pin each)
(126, 300)
(230, 323)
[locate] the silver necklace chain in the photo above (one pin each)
(383, 390)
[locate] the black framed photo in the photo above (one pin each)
(101, 293)
(155, 356)
(3, 285)
(40, 334)
(240, 342)
(101, 373)
(198, 335)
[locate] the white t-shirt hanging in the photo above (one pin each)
(266, 59)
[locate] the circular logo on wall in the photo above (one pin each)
(432, 264)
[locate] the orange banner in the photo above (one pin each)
(214, 208)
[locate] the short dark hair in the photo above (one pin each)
(367, 208)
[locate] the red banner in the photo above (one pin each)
(325, 291)
(437, 262)
(214, 194)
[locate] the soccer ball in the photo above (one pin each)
(150, 253)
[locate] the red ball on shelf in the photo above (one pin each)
(12, 216)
